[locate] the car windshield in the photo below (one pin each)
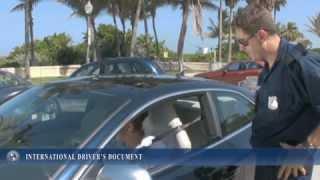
(62, 113)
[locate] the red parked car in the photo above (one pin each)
(235, 72)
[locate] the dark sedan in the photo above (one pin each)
(11, 85)
(90, 112)
(116, 66)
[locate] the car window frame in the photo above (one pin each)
(219, 116)
(82, 170)
(220, 141)
(11, 77)
(95, 65)
(146, 68)
(232, 64)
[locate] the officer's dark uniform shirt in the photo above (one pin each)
(284, 110)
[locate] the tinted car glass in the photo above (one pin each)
(65, 115)
(253, 65)
(117, 68)
(8, 80)
(140, 69)
(87, 70)
(125, 68)
(233, 67)
(189, 114)
(234, 111)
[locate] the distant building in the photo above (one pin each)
(203, 50)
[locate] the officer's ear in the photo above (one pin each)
(262, 35)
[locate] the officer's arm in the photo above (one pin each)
(311, 76)
(310, 67)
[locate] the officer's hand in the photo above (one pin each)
(286, 170)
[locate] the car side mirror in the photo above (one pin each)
(127, 171)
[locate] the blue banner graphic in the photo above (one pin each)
(196, 157)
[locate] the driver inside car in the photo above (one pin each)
(133, 136)
(158, 128)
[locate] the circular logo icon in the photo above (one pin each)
(13, 156)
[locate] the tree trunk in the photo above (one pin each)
(117, 35)
(135, 27)
(123, 43)
(88, 53)
(146, 31)
(275, 15)
(183, 31)
(220, 33)
(95, 47)
(132, 24)
(155, 33)
(32, 50)
(27, 38)
(230, 36)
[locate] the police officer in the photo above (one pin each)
(288, 101)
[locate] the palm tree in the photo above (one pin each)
(269, 4)
(185, 5)
(27, 6)
(114, 9)
(277, 6)
(315, 25)
(124, 13)
(220, 15)
(231, 4)
(213, 28)
(145, 16)
(152, 8)
(78, 7)
(290, 32)
(135, 26)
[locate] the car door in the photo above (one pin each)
(234, 126)
(190, 110)
(233, 73)
(199, 116)
(252, 69)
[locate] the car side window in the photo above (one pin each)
(170, 124)
(253, 65)
(234, 111)
(138, 68)
(125, 68)
(7, 80)
(233, 67)
(162, 120)
(117, 68)
(86, 70)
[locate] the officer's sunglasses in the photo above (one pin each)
(245, 42)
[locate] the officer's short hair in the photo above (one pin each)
(253, 18)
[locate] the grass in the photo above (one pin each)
(44, 80)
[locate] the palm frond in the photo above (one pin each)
(315, 25)
(19, 7)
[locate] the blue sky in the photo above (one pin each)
(51, 17)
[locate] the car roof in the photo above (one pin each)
(146, 86)
(121, 59)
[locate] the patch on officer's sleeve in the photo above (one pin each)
(273, 103)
